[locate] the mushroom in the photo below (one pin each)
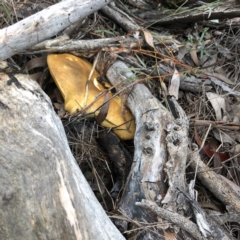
(71, 74)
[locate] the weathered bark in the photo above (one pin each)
(45, 24)
(43, 192)
(161, 144)
(173, 217)
(146, 179)
(121, 18)
(177, 146)
(220, 188)
(219, 10)
(63, 44)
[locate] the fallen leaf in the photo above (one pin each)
(218, 104)
(174, 86)
(207, 150)
(170, 235)
(222, 78)
(224, 137)
(235, 150)
(149, 38)
(193, 54)
(181, 53)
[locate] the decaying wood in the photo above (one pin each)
(43, 192)
(217, 10)
(207, 225)
(217, 124)
(223, 218)
(161, 143)
(41, 179)
(215, 183)
(146, 179)
(177, 146)
(139, 4)
(63, 44)
(187, 83)
(215, 232)
(121, 18)
(173, 217)
(45, 24)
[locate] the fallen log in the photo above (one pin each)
(45, 24)
(161, 152)
(43, 192)
(215, 10)
(146, 180)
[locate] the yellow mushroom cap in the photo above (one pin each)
(123, 125)
(70, 74)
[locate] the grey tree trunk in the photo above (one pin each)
(43, 194)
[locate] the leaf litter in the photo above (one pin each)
(201, 51)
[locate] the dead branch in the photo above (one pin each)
(44, 24)
(173, 217)
(177, 145)
(217, 10)
(215, 183)
(147, 176)
(128, 24)
(63, 44)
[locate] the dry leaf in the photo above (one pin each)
(222, 78)
(174, 86)
(235, 150)
(209, 62)
(181, 53)
(58, 106)
(223, 137)
(209, 152)
(218, 104)
(36, 62)
(170, 235)
(149, 38)
(193, 54)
